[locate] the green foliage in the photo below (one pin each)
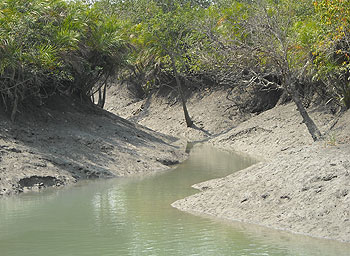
(48, 46)
(331, 139)
(332, 51)
(223, 29)
(162, 34)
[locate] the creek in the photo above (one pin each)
(133, 216)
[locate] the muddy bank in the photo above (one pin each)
(64, 142)
(212, 110)
(303, 190)
(298, 186)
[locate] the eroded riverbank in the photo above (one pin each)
(300, 186)
(67, 141)
(277, 194)
(133, 216)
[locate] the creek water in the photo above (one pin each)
(133, 216)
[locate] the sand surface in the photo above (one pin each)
(66, 142)
(298, 186)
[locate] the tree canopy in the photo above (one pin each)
(74, 47)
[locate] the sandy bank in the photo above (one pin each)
(299, 186)
(304, 190)
(65, 142)
(212, 111)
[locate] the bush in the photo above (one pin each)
(332, 52)
(50, 46)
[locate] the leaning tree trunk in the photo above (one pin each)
(311, 126)
(102, 94)
(189, 122)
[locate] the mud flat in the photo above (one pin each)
(298, 185)
(65, 141)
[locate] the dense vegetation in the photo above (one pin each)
(49, 47)
(74, 47)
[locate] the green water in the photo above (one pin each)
(133, 216)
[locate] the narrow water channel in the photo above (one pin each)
(133, 216)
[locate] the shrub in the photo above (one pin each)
(50, 46)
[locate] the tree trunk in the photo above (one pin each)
(102, 95)
(14, 108)
(189, 122)
(92, 97)
(311, 126)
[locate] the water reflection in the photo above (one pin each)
(133, 216)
